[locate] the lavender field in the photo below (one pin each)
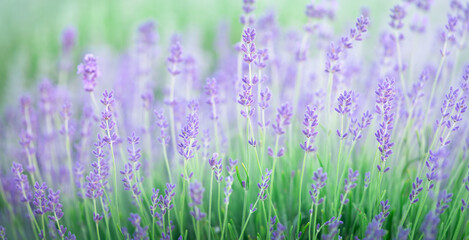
(302, 120)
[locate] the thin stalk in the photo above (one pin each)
(247, 220)
(224, 221)
(299, 195)
(210, 207)
(97, 229)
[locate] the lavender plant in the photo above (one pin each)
(380, 152)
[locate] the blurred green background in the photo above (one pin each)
(30, 29)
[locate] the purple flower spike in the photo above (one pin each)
(385, 106)
(333, 225)
(141, 233)
(188, 136)
(55, 206)
(264, 185)
(196, 193)
(90, 72)
(21, 182)
(397, 15)
(310, 122)
(175, 57)
(163, 125)
(319, 178)
(284, 115)
(40, 201)
(416, 189)
(216, 166)
(248, 47)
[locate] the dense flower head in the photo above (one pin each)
(248, 7)
(175, 57)
(262, 58)
(429, 226)
(2, 233)
(97, 178)
(349, 184)
(216, 166)
(319, 178)
(335, 50)
(211, 89)
(188, 136)
(107, 122)
(147, 35)
(21, 182)
(385, 106)
(345, 103)
(416, 189)
(276, 233)
(444, 198)
(397, 15)
(452, 110)
(356, 127)
(196, 193)
(333, 225)
(248, 47)
(264, 184)
(54, 206)
(367, 180)
(310, 123)
(165, 202)
(140, 232)
(283, 118)
(246, 97)
(265, 97)
(69, 36)
(163, 125)
(40, 201)
(89, 70)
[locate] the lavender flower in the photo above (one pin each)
(344, 107)
(455, 105)
(397, 15)
(155, 200)
(107, 123)
(374, 229)
(2, 233)
(246, 98)
(247, 18)
(188, 136)
(90, 72)
(349, 185)
(97, 179)
(429, 226)
(284, 115)
(196, 192)
(278, 233)
(334, 51)
(131, 168)
(21, 182)
(264, 185)
(163, 125)
(55, 206)
(319, 179)
(216, 166)
(356, 128)
(466, 185)
(165, 202)
(147, 35)
(265, 97)
(416, 189)
(231, 169)
(69, 36)
(384, 106)
(310, 122)
(140, 232)
(40, 201)
(443, 199)
(333, 225)
(211, 89)
(175, 57)
(367, 180)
